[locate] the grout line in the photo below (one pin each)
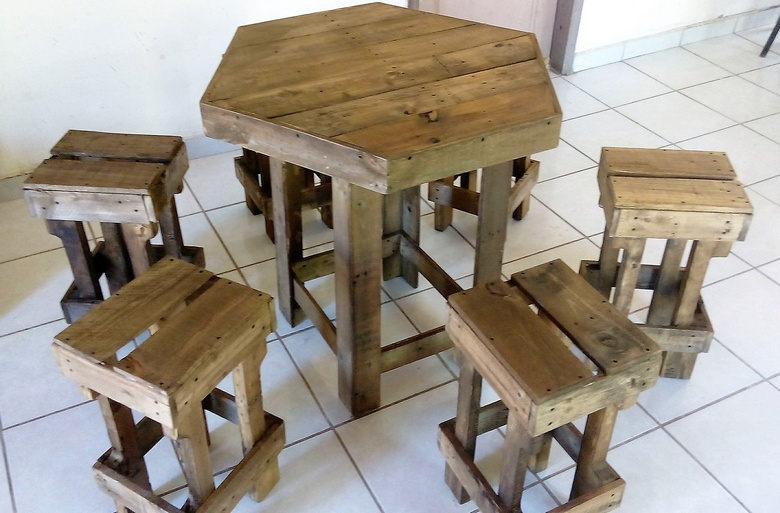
(9, 481)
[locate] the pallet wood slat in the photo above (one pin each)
(680, 196)
(628, 360)
(203, 328)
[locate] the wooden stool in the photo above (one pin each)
(679, 196)
(208, 327)
(127, 184)
(543, 386)
(253, 171)
(446, 195)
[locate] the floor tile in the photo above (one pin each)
(572, 253)
(32, 289)
(735, 98)
(768, 78)
(768, 127)
(448, 248)
(769, 189)
(660, 477)
(732, 53)
(213, 182)
(772, 270)
(6, 500)
(197, 231)
(243, 234)
(762, 243)
(316, 476)
(574, 101)
(601, 83)
(755, 342)
(717, 374)
(753, 156)
(591, 133)
(574, 197)
(743, 451)
(396, 449)
(675, 117)
(27, 358)
(29, 234)
(186, 203)
(56, 454)
(678, 68)
(561, 161)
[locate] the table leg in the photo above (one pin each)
(491, 230)
(357, 217)
(286, 185)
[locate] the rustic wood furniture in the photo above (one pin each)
(382, 99)
(253, 171)
(527, 357)
(678, 196)
(446, 195)
(203, 327)
(127, 184)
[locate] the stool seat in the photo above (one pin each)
(678, 196)
(573, 355)
(118, 178)
(202, 328)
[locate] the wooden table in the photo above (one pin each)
(382, 99)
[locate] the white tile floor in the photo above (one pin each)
(708, 444)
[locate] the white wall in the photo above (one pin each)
(606, 22)
(120, 65)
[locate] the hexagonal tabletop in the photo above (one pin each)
(383, 96)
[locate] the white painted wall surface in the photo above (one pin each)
(120, 65)
(606, 22)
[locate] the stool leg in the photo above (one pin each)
(667, 290)
(628, 274)
(171, 230)
(608, 264)
(119, 271)
(592, 459)
(251, 418)
(520, 167)
(287, 182)
(466, 420)
(492, 221)
(514, 464)
(137, 241)
(680, 365)
(392, 223)
(74, 240)
(192, 450)
(326, 211)
(126, 452)
(540, 455)
(410, 225)
(442, 214)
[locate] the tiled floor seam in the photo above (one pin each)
(359, 472)
(9, 481)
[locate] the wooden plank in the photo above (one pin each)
(286, 185)
(679, 195)
(605, 335)
(188, 355)
(456, 123)
(428, 267)
(330, 63)
(80, 257)
(90, 206)
(315, 313)
(98, 176)
(515, 339)
(122, 317)
(467, 472)
(466, 423)
(664, 163)
(667, 289)
(379, 104)
(415, 348)
(125, 492)
(606, 498)
(628, 273)
(255, 463)
(135, 147)
(491, 222)
(358, 249)
(593, 452)
(192, 450)
(514, 463)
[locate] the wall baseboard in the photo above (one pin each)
(673, 38)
